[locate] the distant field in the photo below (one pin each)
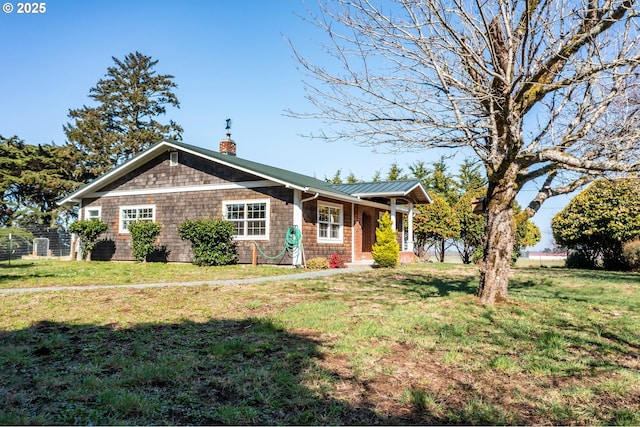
(526, 262)
(402, 346)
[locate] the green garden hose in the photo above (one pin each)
(292, 243)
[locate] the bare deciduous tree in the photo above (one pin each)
(540, 90)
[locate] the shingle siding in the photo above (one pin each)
(172, 209)
(197, 185)
(313, 248)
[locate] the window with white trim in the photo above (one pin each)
(93, 212)
(250, 217)
(330, 223)
(129, 214)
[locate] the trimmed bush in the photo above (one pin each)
(318, 263)
(143, 238)
(88, 230)
(631, 253)
(386, 250)
(211, 241)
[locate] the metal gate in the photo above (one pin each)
(41, 246)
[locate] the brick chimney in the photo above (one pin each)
(228, 146)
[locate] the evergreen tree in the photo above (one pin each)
(598, 221)
(470, 177)
(436, 223)
(395, 173)
(441, 182)
(352, 179)
(32, 180)
(386, 250)
(420, 171)
(124, 120)
(337, 178)
(469, 241)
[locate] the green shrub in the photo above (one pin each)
(143, 238)
(631, 253)
(581, 259)
(211, 241)
(88, 230)
(386, 250)
(318, 263)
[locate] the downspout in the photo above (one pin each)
(308, 199)
(299, 218)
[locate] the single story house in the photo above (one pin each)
(172, 182)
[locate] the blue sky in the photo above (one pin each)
(230, 59)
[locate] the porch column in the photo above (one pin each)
(393, 214)
(297, 221)
(410, 231)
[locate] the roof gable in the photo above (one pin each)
(349, 192)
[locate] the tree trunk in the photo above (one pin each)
(442, 250)
(498, 243)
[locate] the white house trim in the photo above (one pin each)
(185, 189)
(297, 221)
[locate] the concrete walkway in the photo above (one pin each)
(285, 277)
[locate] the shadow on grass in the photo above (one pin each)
(219, 372)
(8, 272)
(600, 288)
(588, 276)
(428, 286)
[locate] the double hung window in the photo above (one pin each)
(129, 214)
(250, 217)
(330, 222)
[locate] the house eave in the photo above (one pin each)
(91, 189)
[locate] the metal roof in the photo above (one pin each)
(412, 190)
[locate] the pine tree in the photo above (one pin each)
(123, 122)
(470, 177)
(395, 173)
(440, 182)
(32, 180)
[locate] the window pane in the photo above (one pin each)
(323, 230)
(257, 228)
(129, 213)
(257, 210)
(145, 214)
(239, 228)
(323, 214)
(235, 212)
(335, 231)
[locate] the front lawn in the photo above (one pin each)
(47, 273)
(403, 346)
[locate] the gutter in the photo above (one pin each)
(308, 199)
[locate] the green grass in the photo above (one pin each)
(402, 346)
(47, 273)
